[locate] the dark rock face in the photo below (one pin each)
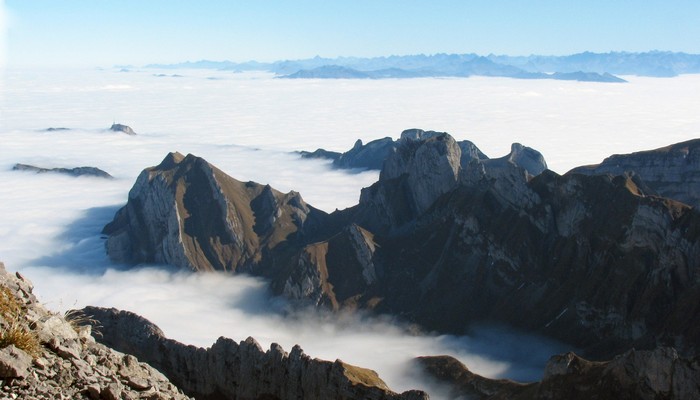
(672, 171)
(79, 171)
(230, 370)
(445, 238)
(657, 374)
(122, 128)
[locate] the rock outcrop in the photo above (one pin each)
(644, 375)
(45, 356)
(671, 171)
(230, 370)
(122, 128)
(78, 171)
(445, 238)
(186, 212)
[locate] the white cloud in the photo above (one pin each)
(51, 224)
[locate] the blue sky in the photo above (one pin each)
(109, 32)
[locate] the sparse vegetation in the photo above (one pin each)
(14, 328)
(78, 319)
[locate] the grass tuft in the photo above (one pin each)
(14, 328)
(78, 319)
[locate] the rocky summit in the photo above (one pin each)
(188, 213)
(445, 238)
(44, 355)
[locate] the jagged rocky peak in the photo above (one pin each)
(240, 370)
(672, 171)
(430, 161)
(188, 213)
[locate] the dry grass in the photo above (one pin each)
(15, 329)
(78, 319)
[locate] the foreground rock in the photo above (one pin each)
(445, 239)
(230, 370)
(634, 375)
(671, 171)
(43, 356)
(78, 171)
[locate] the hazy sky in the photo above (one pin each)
(108, 32)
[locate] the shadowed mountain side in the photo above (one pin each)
(230, 370)
(657, 374)
(671, 171)
(445, 239)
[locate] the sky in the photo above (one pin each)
(137, 32)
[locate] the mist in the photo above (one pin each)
(248, 125)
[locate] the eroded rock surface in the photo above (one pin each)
(231, 370)
(65, 362)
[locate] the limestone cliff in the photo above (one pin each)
(230, 370)
(671, 171)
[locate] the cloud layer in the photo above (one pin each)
(247, 125)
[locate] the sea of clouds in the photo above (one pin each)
(248, 125)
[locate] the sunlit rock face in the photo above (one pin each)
(240, 370)
(671, 171)
(443, 239)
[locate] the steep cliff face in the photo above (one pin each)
(671, 171)
(648, 375)
(230, 370)
(45, 356)
(588, 260)
(186, 212)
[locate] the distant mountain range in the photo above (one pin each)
(587, 66)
